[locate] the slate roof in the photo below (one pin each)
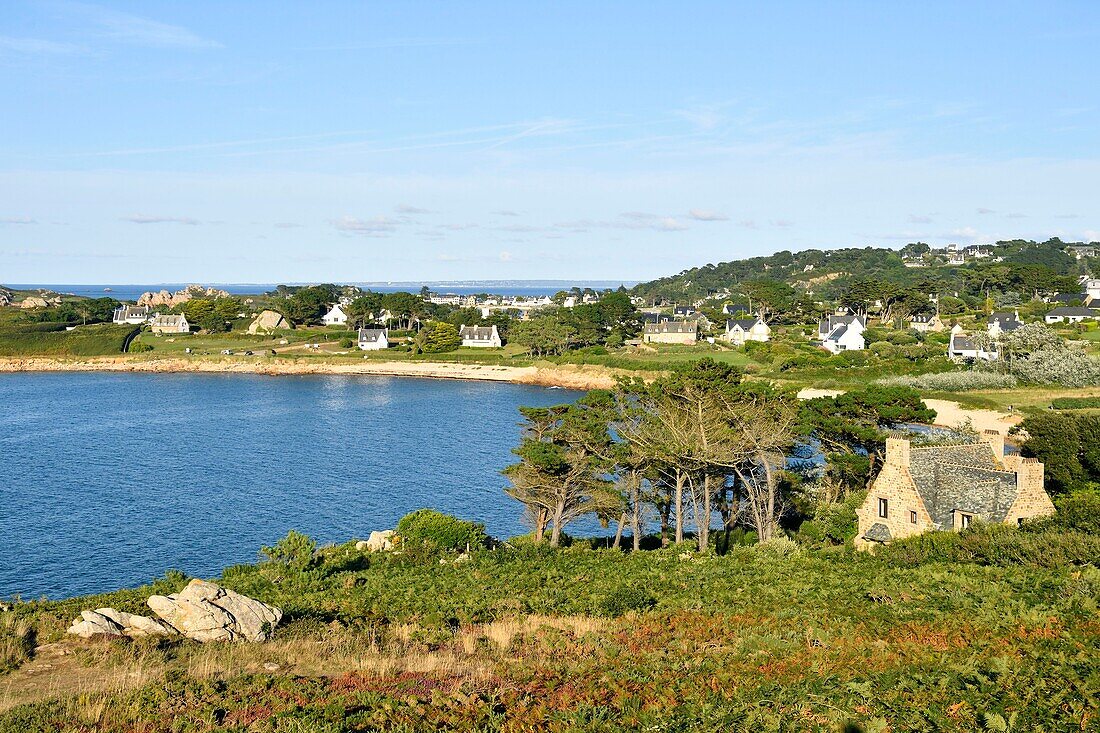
(1006, 321)
(962, 342)
(829, 323)
(878, 532)
(167, 321)
(371, 335)
(1067, 298)
(683, 310)
(672, 327)
(961, 477)
(478, 333)
(923, 318)
(731, 308)
(1073, 311)
(744, 323)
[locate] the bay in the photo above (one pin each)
(108, 480)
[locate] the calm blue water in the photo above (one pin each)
(528, 289)
(108, 480)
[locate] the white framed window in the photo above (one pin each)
(964, 520)
(912, 517)
(884, 508)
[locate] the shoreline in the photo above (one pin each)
(566, 377)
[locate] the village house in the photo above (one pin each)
(949, 487)
(335, 317)
(1002, 323)
(671, 332)
(132, 314)
(169, 323)
(1068, 314)
(965, 347)
(683, 311)
(740, 330)
(374, 339)
(1082, 251)
(736, 309)
(480, 336)
(925, 322)
(842, 333)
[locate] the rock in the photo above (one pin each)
(205, 611)
(111, 622)
(380, 541)
(361, 545)
(93, 623)
(271, 666)
(164, 298)
(268, 321)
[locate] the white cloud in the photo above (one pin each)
(748, 224)
(406, 209)
(18, 220)
(965, 232)
(1092, 235)
(782, 223)
(1015, 215)
(983, 210)
(138, 31)
(146, 219)
(378, 226)
(456, 227)
(505, 212)
(36, 46)
(919, 219)
(707, 215)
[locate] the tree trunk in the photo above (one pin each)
(703, 522)
(636, 518)
(555, 524)
(679, 505)
(619, 531)
(540, 525)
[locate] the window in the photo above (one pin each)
(965, 520)
(912, 517)
(883, 508)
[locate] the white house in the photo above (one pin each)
(335, 317)
(480, 336)
(1069, 315)
(842, 333)
(965, 347)
(132, 314)
(740, 330)
(374, 339)
(169, 324)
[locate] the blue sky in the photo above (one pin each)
(267, 141)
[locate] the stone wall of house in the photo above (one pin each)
(670, 338)
(1032, 499)
(896, 486)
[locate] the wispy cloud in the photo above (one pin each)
(919, 219)
(406, 209)
(505, 212)
(748, 224)
(378, 226)
(707, 215)
(138, 31)
(147, 219)
(627, 220)
(388, 43)
(1016, 215)
(983, 210)
(1067, 216)
(287, 225)
(37, 46)
(17, 220)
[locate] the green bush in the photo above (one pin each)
(1079, 511)
(295, 551)
(995, 544)
(442, 530)
(832, 524)
(139, 347)
(621, 600)
(1075, 403)
(347, 343)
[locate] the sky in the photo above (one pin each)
(306, 142)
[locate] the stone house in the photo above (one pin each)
(925, 322)
(740, 330)
(132, 314)
(374, 339)
(485, 337)
(169, 323)
(947, 487)
(671, 332)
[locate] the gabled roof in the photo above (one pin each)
(672, 327)
(1073, 311)
(837, 332)
(743, 323)
(371, 335)
(829, 323)
(962, 478)
(962, 342)
(168, 320)
(923, 318)
(731, 308)
(478, 333)
(1005, 321)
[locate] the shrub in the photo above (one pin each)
(995, 544)
(833, 524)
(953, 381)
(139, 347)
(347, 343)
(617, 602)
(778, 547)
(1079, 511)
(295, 551)
(17, 641)
(1075, 403)
(442, 530)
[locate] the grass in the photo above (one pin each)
(525, 638)
(91, 340)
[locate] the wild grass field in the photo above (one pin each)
(773, 637)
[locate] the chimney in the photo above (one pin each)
(996, 442)
(1029, 475)
(897, 450)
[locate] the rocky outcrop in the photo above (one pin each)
(377, 542)
(205, 611)
(167, 299)
(267, 322)
(202, 611)
(110, 622)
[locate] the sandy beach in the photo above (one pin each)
(569, 377)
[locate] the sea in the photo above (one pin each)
(526, 288)
(109, 480)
